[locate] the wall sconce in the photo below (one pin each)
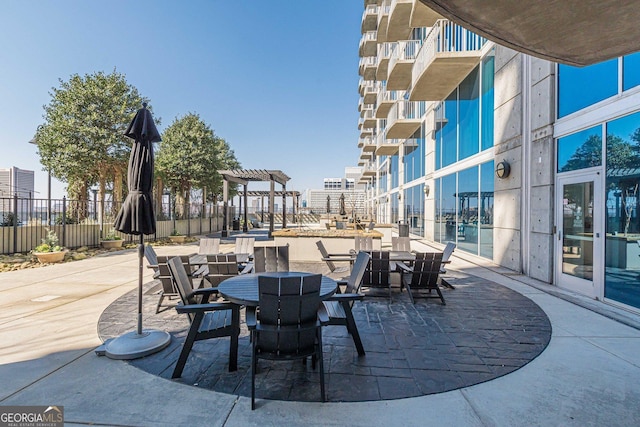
(387, 199)
(427, 189)
(503, 169)
(399, 196)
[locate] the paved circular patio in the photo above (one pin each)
(485, 331)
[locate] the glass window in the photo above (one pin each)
(485, 221)
(413, 159)
(580, 150)
(449, 130)
(630, 71)
(579, 87)
(622, 245)
(467, 199)
(438, 229)
(448, 208)
(487, 103)
(394, 171)
(469, 111)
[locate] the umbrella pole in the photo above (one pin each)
(140, 256)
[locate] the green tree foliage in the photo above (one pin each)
(190, 154)
(82, 140)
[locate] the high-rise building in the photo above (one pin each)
(15, 181)
(328, 199)
(527, 163)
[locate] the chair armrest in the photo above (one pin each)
(404, 267)
(349, 254)
(212, 306)
(323, 316)
(250, 317)
(203, 270)
(154, 266)
(346, 297)
(346, 258)
(205, 292)
(247, 268)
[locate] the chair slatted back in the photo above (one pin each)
(401, 244)
(357, 273)
(244, 245)
(271, 259)
(325, 254)
(182, 282)
(288, 314)
(209, 246)
(426, 269)
(168, 287)
(448, 250)
(221, 267)
(377, 272)
(364, 243)
(150, 255)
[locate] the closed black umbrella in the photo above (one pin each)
(328, 204)
(343, 210)
(137, 217)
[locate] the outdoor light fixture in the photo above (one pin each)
(503, 169)
(399, 196)
(427, 189)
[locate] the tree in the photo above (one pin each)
(189, 156)
(82, 141)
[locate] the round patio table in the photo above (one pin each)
(243, 289)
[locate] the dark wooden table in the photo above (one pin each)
(243, 289)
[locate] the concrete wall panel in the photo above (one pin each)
(506, 248)
(541, 258)
(508, 82)
(542, 209)
(508, 120)
(543, 103)
(507, 209)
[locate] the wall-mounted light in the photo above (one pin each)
(399, 196)
(427, 189)
(503, 169)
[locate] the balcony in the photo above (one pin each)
(384, 54)
(386, 99)
(369, 18)
(399, 16)
(368, 67)
(404, 119)
(386, 146)
(367, 145)
(448, 54)
(370, 93)
(369, 120)
(383, 20)
(366, 132)
(369, 169)
(369, 44)
(365, 108)
(422, 16)
(401, 63)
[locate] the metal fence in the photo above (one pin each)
(24, 222)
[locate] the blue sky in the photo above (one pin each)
(278, 79)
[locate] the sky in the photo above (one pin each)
(276, 79)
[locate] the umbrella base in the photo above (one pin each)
(133, 345)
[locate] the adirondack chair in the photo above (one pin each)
(339, 305)
(209, 246)
(401, 244)
(446, 254)
(423, 276)
(208, 320)
(221, 267)
(363, 243)
(289, 323)
(330, 258)
(377, 273)
(271, 259)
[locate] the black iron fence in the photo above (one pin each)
(24, 222)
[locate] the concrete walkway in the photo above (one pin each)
(589, 375)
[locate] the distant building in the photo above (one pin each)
(333, 189)
(16, 181)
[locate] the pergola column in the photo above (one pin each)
(271, 206)
(284, 206)
(245, 228)
(225, 214)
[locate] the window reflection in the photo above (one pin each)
(579, 87)
(580, 150)
(631, 71)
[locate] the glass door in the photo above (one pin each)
(578, 236)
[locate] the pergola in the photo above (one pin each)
(243, 176)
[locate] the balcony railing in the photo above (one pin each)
(370, 18)
(368, 43)
(449, 52)
(401, 63)
(404, 119)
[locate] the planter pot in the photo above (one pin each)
(177, 239)
(111, 244)
(50, 257)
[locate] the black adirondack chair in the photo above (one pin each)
(271, 259)
(377, 273)
(288, 324)
(208, 320)
(423, 276)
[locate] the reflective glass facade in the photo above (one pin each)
(414, 209)
(580, 150)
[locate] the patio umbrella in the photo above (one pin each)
(137, 217)
(328, 204)
(343, 210)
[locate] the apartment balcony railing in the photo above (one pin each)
(369, 44)
(370, 93)
(422, 16)
(384, 54)
(404, 119)
(448, 54)
(370, 18)
(369, 119)
(368, 144)
(369, 169)
(368, 67)
(386, 99)
(401, 63)
(399, 27)
(383, 20)
(365, 108)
